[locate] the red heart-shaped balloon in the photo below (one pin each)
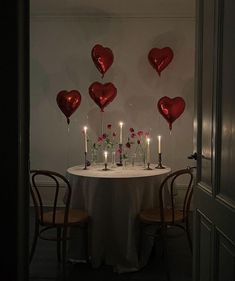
(171, 109)
(160, 58)
(102, 58)
(68, 102)
(102, 94)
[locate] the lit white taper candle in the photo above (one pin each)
(85, 137)
(159, 144)
(105, 157)
(121, 124)
(148, 150)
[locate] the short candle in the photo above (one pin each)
(105, 156)
(85, 137)
(159, 144)
(148, 150)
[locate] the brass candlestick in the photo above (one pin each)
(120, 156)
(159, 166)
(85, 168)
(105, 167)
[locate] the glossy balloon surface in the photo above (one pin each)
(171, 108)
(102, 94)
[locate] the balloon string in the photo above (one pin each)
(101, 117)
(68, 147)
(171, 150)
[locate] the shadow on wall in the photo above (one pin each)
(140, 109)
(40, 80)
(188, 94)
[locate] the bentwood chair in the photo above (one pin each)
(59, 218)
(166, 217)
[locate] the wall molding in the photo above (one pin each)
(71, 16)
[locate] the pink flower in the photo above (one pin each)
(100, 138)
(140, 133)
(109, 126)
(131, 130)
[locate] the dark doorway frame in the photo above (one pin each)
(15, 139)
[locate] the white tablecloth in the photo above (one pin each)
(113, 200)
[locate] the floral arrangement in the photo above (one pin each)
(138, 140)
(107, 140)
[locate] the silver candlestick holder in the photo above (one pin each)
(159, 166)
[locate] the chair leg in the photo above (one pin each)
(58, 243)
(188, 235)
(140, 242)
(35, 238)
(64, 250)
(88, 246)
(165, 255)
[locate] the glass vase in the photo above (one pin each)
(94, 156)
(139, 156)
(113, 158)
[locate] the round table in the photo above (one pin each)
(113, 200)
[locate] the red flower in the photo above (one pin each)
(109, 126)
(133, 135)
(131, 130)
(104, 136)
(100, 139)
(128, 145)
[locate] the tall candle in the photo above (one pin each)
(105, 156)
(148, 150)
(85, 137)
(121, 124)
(159, 144)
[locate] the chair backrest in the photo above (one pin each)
(58, 182)
(169, 183)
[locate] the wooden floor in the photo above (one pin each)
(45, 267)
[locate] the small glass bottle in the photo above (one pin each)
(113, 159)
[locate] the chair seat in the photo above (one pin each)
(75, 216)
(153, 216)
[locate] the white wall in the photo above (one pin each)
(60, 58)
